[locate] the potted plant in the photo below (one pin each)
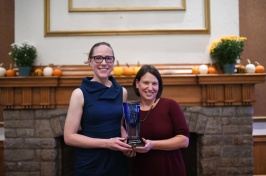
(226, 51)
(23, 56)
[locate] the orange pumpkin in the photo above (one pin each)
(38, 72)
(259, 68)
(118, 71)
(195, 70)
(57, 72)
(211, 70)
(10, 73)
(137, 68)
(128, 71)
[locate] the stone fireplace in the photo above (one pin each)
(218, 109)
(224, 140)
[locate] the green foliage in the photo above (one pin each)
(23, 54)
(227, 49)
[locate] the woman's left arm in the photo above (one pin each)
(179, 141)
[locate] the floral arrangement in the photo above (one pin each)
(23, 54)
(227, 49)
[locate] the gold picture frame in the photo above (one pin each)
(49, 33)
(116, 9)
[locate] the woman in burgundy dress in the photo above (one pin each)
(163, 128)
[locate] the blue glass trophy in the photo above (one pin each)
(132, 123)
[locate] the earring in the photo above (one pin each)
(87, 62)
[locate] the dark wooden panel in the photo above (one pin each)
(1, 158)
(259, 155)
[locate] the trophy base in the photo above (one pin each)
(135, 142)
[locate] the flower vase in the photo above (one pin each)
(24, 71)
(229, 68)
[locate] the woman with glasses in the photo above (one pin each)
(163, 128)
(96, 109)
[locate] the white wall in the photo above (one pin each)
(179, 48)
(29, 25)
(259, 128)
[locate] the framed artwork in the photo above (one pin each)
(98, 18)
(125, 5)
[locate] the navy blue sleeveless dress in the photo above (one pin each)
(101, 118)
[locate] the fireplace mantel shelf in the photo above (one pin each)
(184, 79)
(35, 92)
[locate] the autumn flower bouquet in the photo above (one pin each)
(23, 54)
(227, 49)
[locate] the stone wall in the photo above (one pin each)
(225, 144)
(31, 147)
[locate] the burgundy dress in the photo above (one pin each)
(165, 120)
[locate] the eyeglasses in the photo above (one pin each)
(99, 59)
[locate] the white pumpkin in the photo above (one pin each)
(48, 71)
(250, 68)
(203, 69)
(2, 70)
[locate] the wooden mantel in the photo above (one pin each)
(40, 92)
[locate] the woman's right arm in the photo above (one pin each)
(72, 124)
(73, 119)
